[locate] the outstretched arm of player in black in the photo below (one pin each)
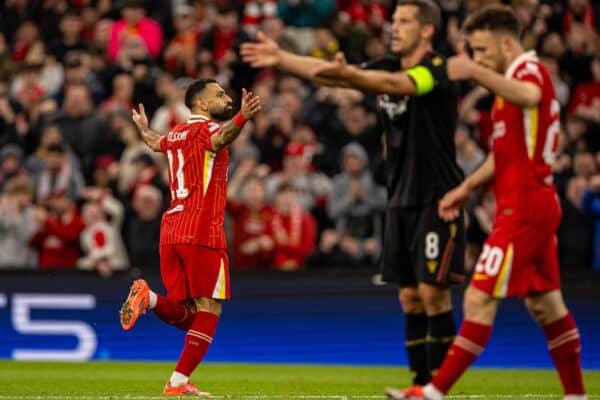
(231, 130)
(150, 137)
(266, 53)
(450, 205)
(520, 93)
(414, 81)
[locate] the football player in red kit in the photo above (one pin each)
(520, 255)
(193, 261)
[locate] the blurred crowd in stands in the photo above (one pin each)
(80, 190)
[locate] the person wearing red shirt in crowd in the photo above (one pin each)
(252, 231)
(294, 230)
(134, 27)
(193, 258)
(57, 238)
(585, 102)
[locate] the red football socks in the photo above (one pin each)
(468, 345)
(197, 342)
(565, 347)
(173, 313)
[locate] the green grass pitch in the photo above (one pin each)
(120, 380)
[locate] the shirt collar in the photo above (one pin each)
(196, 118)
(527, 56)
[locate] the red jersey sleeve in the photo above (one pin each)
(163, 144)
(208, 130)
(530, 72)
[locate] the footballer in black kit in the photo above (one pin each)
(420, 167)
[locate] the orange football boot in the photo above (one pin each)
(412, 393)
(189, 389)
(136, 304)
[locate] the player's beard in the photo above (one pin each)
(223, 115)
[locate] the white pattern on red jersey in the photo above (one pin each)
(198, 183)
(525, 142)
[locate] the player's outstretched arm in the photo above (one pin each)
(265, 53)
(150, 137)
(231, 129)
(450, 205)
(520, 93)
(414, 81)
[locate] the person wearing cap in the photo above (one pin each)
(11, 163)
(356, 206)
(17, 224)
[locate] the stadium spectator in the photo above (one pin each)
(122, 124)
(70, 27)
(312, 188)
(7, 66)
(57, 176)
(576, 231)
(26, 36)
(273, 28)
(180, 52)
(105, 173)
(84, 129)
(173, 111)
(468, 155)
(101, 241)
(256, 12)
(585, 102)
(134, 33)
(17, 224)
(57, 237)
(11, 164)
(143, 229)
(252, 241)
(356, 206)
(51, 134)
(122, 95)
(147, 172)
(294, 230)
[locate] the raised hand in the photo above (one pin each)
(336, 69)
(140, 119)
(261, 54)
(450, 205)
(250, 104)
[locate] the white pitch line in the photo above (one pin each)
(282, 396)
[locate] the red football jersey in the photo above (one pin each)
(525, 142)
(198, 183)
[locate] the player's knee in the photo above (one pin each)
(435, 300)
(410, 301)
(546, 308)
(208, 305)
(479, 306)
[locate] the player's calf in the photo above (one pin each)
(562, 336)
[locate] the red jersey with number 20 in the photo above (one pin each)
(525, 142)
(198, 183)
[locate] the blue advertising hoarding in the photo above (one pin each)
(322, 320)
